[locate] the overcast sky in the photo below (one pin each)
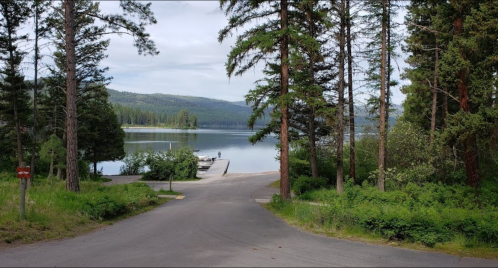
(191, 62)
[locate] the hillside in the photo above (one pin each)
(211, 113)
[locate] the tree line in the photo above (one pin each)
(314, 55)
(136, 117)
(65, 115)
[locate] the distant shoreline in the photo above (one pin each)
(125, 127)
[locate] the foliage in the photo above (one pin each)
(299, 162)
(113, 203)
(428, 214)
(181, 164)
(14, 97)
(305, 184)
(54, 213)
(137, 117)
(134, 163)
(52, 151)
(101, 136)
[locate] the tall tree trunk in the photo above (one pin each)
(95, 169)
(352, 161)
(18, 136)
(35, 96)
(495, 130)
(51, 170)
(445, 106)
(434, 95)
(72, 182)
(388, 78)
(382, 104)
(284, 128)
(312, 144)
(311, 95)
(470, 145)
(340, 103)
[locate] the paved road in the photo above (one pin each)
(217, 224)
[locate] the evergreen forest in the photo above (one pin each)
(428, 177)
(438, 158)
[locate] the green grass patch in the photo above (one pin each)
(275, 184)
(54, 213)
(166, 181)
(168, 192)
(449, 219)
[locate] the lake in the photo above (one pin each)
(233, 145)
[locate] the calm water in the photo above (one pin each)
(233, 144)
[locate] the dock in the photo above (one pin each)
(218, 168)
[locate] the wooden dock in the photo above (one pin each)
(218, 168)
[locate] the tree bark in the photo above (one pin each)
(434, 95)
(72, 182)
(51, 170)
(35, 96)
(445, 106)
(312, 144)
(284, 128)
(95, 169)
(352, 161)
(382, 104)
(340, 103)
(470, 145)
(311, 95)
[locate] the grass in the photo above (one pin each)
(459, 246)
(168, 192)
(432, 217)
(54, 213)
(275, 184)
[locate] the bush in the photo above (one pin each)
(104, 207)
(429, 214)
(181, 164)
(112, 201)
(134, 163)
(304, 184)
(299, 162)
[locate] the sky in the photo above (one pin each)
(191, 60)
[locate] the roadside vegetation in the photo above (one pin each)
(180, 164)
(427, 204)
(54, 213)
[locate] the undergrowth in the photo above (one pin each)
(52, 212)
(433, 215)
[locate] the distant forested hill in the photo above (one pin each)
(211, 113)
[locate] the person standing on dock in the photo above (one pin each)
(219, 154)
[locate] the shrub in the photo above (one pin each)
(104, 207)
(304, 184)
(181, 164)
(134, 163)
(429, 214)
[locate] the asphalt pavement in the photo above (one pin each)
(218, 223)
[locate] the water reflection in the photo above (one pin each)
(234, 145)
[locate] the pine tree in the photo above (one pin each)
(264, 39)
(422, 44)
(268, 40)
(467, 69)
(115, 23)
(99, 126)
(14, 97)
(38, 7)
